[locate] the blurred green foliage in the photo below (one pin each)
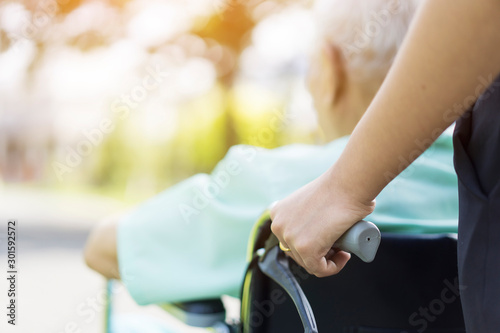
(133, 167)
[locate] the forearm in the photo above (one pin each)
(452, 48)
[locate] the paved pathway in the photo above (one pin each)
(57, 293)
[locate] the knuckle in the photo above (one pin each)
(276, 227)
(288, 238)
(302, 247)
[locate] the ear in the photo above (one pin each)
(335, 64)
(327, 76)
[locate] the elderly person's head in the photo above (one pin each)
(358, 42)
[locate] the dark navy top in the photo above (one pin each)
(477, 162)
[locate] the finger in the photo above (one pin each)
(294, 255)
(330, 254)
(298, 260)
(283, 247)
(333, 265)
(299, 257)
(339, 261)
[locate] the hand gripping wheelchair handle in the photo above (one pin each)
(362, 239)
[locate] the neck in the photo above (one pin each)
(348, 110)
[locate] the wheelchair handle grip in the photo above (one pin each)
(362, 240)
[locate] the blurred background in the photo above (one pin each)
(104, 103)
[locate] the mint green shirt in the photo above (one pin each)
(189, 242)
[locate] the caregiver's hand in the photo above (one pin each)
(312, 218)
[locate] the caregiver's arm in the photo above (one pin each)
(452, 47)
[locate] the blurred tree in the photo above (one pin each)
(51, 7)
(207, 125)
(229, 28)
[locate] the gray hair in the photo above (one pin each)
(368, 32)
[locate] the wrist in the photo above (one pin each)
(349, 192)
